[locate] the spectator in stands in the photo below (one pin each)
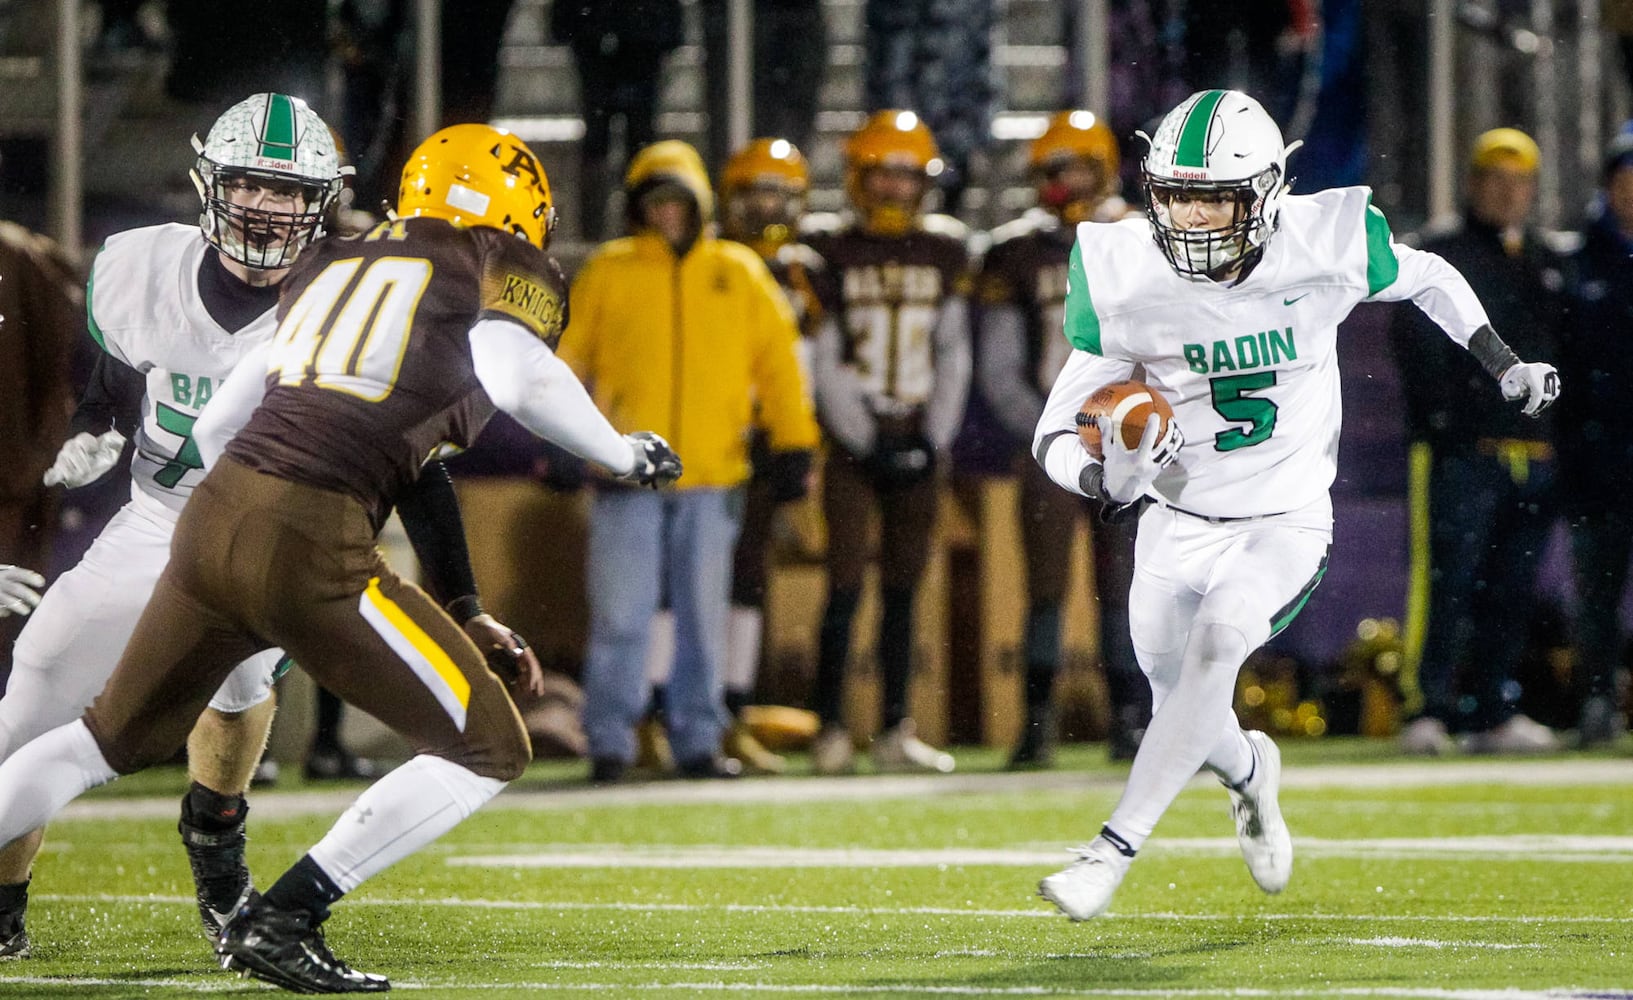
(618, 47)
(374, 43)
(1595, 450)
(1491, 471)
(1022, 294)
(674, 328)
(788, 65)
(935, 56)
(892, 371)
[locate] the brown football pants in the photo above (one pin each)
(259, 561)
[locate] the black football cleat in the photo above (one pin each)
(13, 937)
(221, 878)
(285, 948)
(1036, 749)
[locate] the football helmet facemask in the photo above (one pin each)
(266, 176)
(478, 175)
(1074, 164)
(1217, 146)
(763, 191)
(890, 140)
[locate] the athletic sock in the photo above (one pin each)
(305, 886)
(208, 810)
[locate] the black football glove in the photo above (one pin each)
(656, 464)
(900, 460)
(788, 474)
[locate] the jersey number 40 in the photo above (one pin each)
(348, 332)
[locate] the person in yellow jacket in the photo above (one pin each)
(684, 333)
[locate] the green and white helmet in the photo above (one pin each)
(267, 148)
(1217, 143)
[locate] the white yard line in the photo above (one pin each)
(1400, 942)
(223, 985)
(795, 790)
(1515, 848)
(575, 906)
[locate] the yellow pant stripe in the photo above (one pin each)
(419, 651)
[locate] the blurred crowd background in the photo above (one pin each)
(1389, 93)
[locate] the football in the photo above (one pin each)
(1129, 404)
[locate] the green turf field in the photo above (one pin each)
(1477, 879)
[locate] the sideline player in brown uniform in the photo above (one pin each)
(762, 194)
(891, 372)
(1021, 292)
(384, 342)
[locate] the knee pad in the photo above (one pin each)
(1218, 643)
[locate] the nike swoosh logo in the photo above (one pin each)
(1288, 302)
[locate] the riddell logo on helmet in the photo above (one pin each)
(1180, 173)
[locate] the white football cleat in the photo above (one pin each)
(1267, 847)
(832, 752)
(900, 749)
(1427, 737)
(1519, 734)
(1084, 889)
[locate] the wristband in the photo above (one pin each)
(463, 609)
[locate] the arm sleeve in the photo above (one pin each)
(1438, 289)
(113, 398)
(944, 413)
(429, 510)
(525, 379)
(230, 408)
(1055, 443)
(1001, 371)
(845, 414)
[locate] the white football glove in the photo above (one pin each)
(19, 590)
(85, 458)
(1533, 381)
(656, 464)
(1129, 474)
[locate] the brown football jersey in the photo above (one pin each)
(370, 370)
(1028, 270)
(887, 294)
(798, 269)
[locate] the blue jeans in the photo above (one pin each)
(642, 543)
(1487, 532)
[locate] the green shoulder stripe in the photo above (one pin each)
(1382, 267)
(1082, 325)
(90, 297)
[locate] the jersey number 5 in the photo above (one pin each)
(1231, 399)
(348, 332)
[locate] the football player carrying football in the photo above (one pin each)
(1229, 293)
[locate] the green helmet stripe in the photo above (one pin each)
(278, 134)
(1192, 148)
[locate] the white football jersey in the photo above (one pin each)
(1251, 369)
(145, 310)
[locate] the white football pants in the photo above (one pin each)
(1205, 595)
(74, 639)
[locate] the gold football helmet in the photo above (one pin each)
(892, 140)
(1074, 139)
(478, 175)
(763, 189)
